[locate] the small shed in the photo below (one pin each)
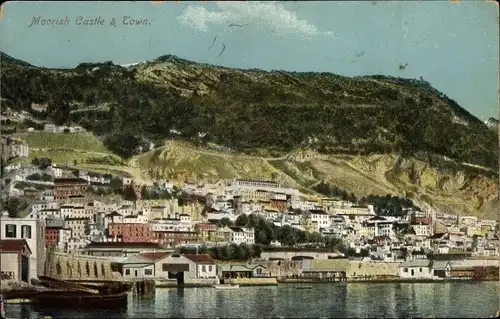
(228, 271)
(415, 269)
(15, 255)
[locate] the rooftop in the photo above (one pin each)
(13, 245)
(154, 256)
(200, 258)
(123, 245)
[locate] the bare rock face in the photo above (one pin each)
(451, 190)
(492, 123)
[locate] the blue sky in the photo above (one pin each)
(454, 46)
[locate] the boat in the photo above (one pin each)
(101, 288)
(226, 286)
(73, 295)
(79, 300)
(53, 283)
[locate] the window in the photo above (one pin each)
(127, 271)
(164, 267)
(405, 269)
(209, 268)
(420, 269)
(148, 272)
(25, 231)
(203, 268)
(10, 231)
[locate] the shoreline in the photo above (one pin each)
(357, 281)
(382, 280)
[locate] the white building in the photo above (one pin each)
(64, 237)
(55, 171)
(241, 235)
(417, 269)
(320, 218)
(423, 230)
(33, 231)
(305, 205)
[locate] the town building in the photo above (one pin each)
(31, 230)
(173, 238)
(240, 235)
(120, 249)
(65, 188)
(16, 260)
(129, 232)
(416, 269)
(205, 266)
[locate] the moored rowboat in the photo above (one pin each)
(75, 299)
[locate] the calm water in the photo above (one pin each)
(354, 300)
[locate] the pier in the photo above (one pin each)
(143, 287)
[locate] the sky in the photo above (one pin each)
(454, 46)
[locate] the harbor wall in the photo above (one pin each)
(188, 282)
(282, 268)
(356, 268)
(253, 281)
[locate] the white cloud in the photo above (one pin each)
(269, 16)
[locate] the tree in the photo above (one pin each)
(223, 222)
(242, 220)
(15, 205)
(261, 237)
(182, 198)
(225, 253)
(145, 192)
(102, 191)
(116, 183)
(47, 177)
(129, 193)
(241, 252)
(287, 236)
(34, 177)
(59, 114)
(257, 251)
(315, 237)
(333, 242)
(42, 162)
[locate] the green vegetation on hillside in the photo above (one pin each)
(64, 148)
(247, 110)
(81, 141)
(388, 205)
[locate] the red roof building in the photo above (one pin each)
(15, 260)
(200, 258)
(154, 256)
(129, 232)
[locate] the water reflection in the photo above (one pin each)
(355, 300)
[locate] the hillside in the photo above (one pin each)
(367, 134)
(69, 148)
(444, 185)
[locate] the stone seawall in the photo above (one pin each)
(355, 268)
(253, 281)
(282, 268)
(172, 283)
(188, 282)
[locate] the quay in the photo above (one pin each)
(143, 287)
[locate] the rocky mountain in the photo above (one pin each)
(369, 134)
(492, 123)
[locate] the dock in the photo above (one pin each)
(143, 287)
